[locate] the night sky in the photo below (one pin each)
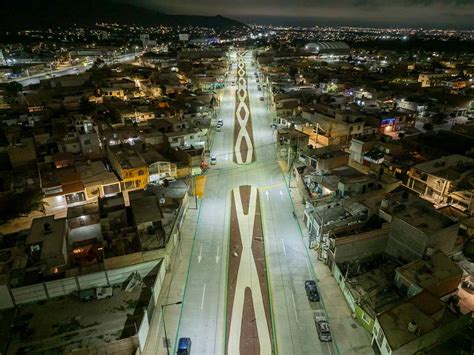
(385, 13)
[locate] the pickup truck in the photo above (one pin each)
(98, 293)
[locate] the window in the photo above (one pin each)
(87, 142)
(380, 337)
(76, 197)
(141, 172)
(129, 185)
(365, 318)
(388, 348)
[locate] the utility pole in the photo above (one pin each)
(164, 324)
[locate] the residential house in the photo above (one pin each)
(129, 165)
(47, 247)
(445, 181)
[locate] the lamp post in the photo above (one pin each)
(164, 325)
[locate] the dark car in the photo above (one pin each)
(324, 333)
(184, 346)
(311, 291)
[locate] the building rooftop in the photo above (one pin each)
(145, 208)
(127, 156)
(450, 167)
(431, 273)
(423, 217)
(422, 309)
(95, 173)
(82, 210)
(49, 233)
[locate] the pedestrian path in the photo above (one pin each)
(173, 290)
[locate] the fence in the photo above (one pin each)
(63, 287)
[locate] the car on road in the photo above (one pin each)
(258, 80)
(324, 332)
(213, 160)
(262, 98)
(220, 122)
(218, 128)
(184, 346)
(259, 88)
(311, 291)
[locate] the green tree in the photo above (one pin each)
(85, 106)
(12, 89)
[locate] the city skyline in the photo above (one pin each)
(378, 13)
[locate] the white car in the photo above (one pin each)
(213, 160)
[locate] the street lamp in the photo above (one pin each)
(164, 325)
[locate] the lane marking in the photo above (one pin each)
(266, 193)
(309, 268)
(203, 295)
(281, 194)
(200, 254)
(269, 187)
(217, 254)
(283, 244)
(294, 305)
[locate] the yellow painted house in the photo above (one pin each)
(129, 165)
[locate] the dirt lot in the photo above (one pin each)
(67, 323)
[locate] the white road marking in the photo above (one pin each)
(281, 194)
(217, 254)
(294, 306)
(329, 348)
(200, 254)
(309, 267)
(203, 295)
(283, 244)
(266, 193)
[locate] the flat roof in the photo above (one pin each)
(449, 167)
(128, 157)
(95, 173)
(146, 209)
(423, 217)
(430, 273)
(419, 309)
(51, 237)
(82, 210)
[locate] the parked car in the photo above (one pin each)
(324, 332)
(98, 293)
(311, 291)
(213, 160)
(184, 346)
(262, 98)
(259, 88)
(218, 128)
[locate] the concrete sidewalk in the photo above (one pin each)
(350, 337)
(172, 290)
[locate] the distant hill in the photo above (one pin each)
(45, 13)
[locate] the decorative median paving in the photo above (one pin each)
(248, 308)
(243, 138)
